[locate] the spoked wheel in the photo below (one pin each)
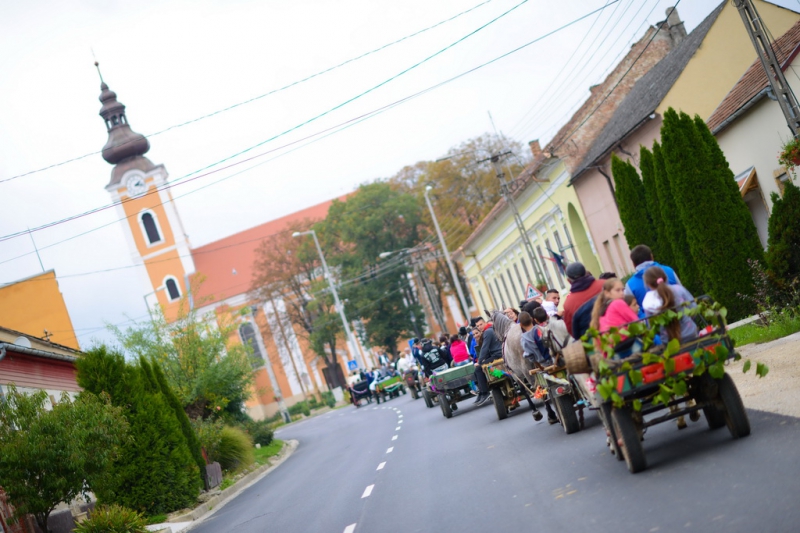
(499, 404)
(445, 405)
(630, 440)
(734, 414)
(566, 413)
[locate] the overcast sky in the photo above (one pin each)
(172, 61)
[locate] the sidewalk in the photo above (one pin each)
(779, 391)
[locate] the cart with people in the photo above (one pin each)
(507, 392)
(388, 388)
(412, 379)
(555, 384)
(452, 386)
(641, 383)
(360, 391)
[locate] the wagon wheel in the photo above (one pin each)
(566, 412)
(733, 412)
(714, 416)
(445, 405)
(427, 397)
(499, 404)
(630, 440)
(605, 417)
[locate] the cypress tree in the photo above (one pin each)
(180, 414)
(630, 195)
(662, 247)
(675, 231)
(155, 472)
(710, 216)
(783, 250)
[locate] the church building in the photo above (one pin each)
(157, 239)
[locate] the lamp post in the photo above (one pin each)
(351, 343)
(453, 272)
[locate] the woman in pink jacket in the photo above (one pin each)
(458, 349)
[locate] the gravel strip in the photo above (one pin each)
(779, 391)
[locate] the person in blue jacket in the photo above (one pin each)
(642, 258)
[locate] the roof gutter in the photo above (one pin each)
(5, 347)
(742, 110)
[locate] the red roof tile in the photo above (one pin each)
(227, 264)
(754, 79)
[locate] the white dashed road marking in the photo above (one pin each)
(380, 466)
(368, 491)
(350, 528)
(394, 438)
(400, 421)
(397, 428)
(390, 450)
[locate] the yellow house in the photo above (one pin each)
(494, 256)
(35, 306)
(694, 78)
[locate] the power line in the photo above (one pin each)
(293, 128)
(259, 97)
(579, 126)
(343, 125)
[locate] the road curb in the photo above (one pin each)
(204, 510)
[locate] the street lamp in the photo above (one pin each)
(453, 272)
(351, 343)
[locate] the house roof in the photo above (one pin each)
(647, 94)
(582, 123)
(751, 85)
(227, 264)
(40, 346)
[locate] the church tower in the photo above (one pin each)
(150, 220)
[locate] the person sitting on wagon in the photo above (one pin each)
(534, 350)
(553, 331)
(664, 296)
(459, 352)
(433, 359)
(491, 349)
(642, 259)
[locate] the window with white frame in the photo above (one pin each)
(172, 288)
(150, 227)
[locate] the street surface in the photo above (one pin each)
(402, 467)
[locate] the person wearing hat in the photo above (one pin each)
(583, 287)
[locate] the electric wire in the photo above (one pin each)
(259, 97)
(355, 120)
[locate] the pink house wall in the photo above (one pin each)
(597, 200)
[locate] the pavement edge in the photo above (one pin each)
(205, 510)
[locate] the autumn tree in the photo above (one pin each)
(209, 374)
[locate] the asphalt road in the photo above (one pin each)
(402, 467)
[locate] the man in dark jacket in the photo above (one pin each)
(583, 287)
(491, 349)
(433, 358)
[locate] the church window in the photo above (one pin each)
(173, 289)
(150, 227)
(247, 333)
(115, 120)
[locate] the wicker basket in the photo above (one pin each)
(575, 357)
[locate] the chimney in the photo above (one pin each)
(536, 149)
(676, 28)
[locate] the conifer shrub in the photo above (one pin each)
(632, 203)
(718, 235)
(180, 414)
(155, 472)
(675, 231)
(235, 449)
(783, 249)
(112, 519)
(662, 248)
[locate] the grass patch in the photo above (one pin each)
(265, 452)
(780, 325)
(227, 481)
(157, 519)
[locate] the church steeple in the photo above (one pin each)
(123, 143)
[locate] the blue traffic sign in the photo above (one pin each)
(352, 365)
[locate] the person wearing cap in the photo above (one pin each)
(583, 287)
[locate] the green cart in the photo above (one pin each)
(452, 386)
(389, 388)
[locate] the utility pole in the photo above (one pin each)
(506, 191)
(437, 311)
(351, 342)
(456, 280)
(780, 87)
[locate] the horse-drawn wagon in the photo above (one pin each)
(388, 388)
(452, 386)
(640, 379)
